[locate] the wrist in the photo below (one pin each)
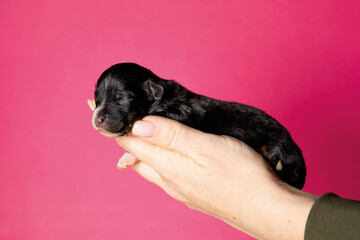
(291, 208)
(287, 207)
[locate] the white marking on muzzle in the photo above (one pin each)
(110, 135)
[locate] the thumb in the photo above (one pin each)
(170, 134)
(160, 141)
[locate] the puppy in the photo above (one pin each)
(127, 92)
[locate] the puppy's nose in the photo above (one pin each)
(99, 121)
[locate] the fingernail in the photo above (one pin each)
(143, 129)
(123, 161)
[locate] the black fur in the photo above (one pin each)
(127, 92)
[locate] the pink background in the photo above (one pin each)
(297, 60)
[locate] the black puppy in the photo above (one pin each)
(127, 92)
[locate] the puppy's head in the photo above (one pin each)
(123, 94)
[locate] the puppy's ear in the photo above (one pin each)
(156, 90)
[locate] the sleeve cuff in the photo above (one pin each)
(333, 217)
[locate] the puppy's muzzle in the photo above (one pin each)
(99, 123)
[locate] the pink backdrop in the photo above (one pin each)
(297, 60)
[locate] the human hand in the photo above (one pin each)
(218, 175)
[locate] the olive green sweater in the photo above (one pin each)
(333, 218)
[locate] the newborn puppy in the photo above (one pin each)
(127, 92)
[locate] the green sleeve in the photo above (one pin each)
(333, 218)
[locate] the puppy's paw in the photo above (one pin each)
(126, 161)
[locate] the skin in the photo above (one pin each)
(217, 175)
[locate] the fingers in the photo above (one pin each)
(127, 160)
(91, 104)
(160, 142)
(156, 157)
(170, 134)
(166, 133)
(157, 140)
(148, 173)
(152, 176)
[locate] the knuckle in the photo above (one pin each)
(172, 136)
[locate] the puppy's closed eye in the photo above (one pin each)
(118, 96)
